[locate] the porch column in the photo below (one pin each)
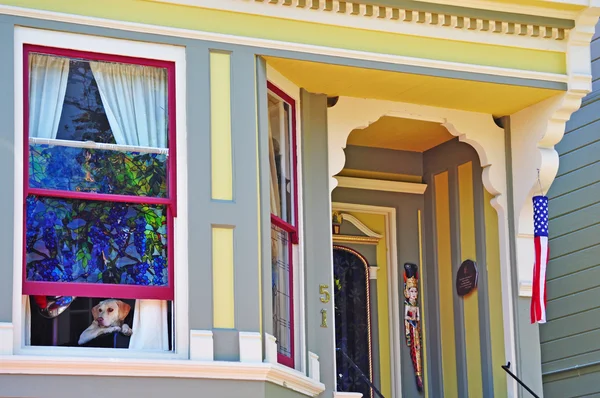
(318, 253)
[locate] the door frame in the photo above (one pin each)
(393, 298)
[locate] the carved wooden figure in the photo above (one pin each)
(412, 320)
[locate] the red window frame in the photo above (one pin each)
(290, 228)
(99, 289)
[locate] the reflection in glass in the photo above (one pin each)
(281, 162)
(282, 304)
(97, 170)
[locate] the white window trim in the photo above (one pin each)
(115, 47)
(300, 354)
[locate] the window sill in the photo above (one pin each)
(74, 366)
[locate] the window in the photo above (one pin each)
(284, 229)
(100, 199)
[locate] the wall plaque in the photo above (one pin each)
(466, 278)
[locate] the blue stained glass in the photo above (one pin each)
(96, 242)
(97, 170)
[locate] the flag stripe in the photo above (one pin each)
(542, 253)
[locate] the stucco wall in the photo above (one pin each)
(570, 340)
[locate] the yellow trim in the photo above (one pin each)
(220, 126)
(422, 291)
(256, 26)
(355, 239)
(376, 222)
(445, 281)
(468, 251)
(223, 286)
(492, 244)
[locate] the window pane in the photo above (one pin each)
(83, 117)
(280, 158)
(97, 170)
(282, 303)
(96, 242)
(65, 325)
(103, 102)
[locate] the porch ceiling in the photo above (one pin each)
(400, 134)
(496, 99)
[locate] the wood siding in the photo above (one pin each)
(571, 338)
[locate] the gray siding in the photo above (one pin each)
(570, 340)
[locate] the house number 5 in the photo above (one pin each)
(325, 293)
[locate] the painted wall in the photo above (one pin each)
(465, 334)
(570, 340)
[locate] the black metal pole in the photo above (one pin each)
(355, 366)
(506, 369)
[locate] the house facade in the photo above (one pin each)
(278, 198)
(569, 366)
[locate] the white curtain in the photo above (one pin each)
(135, 102)
(150, 328)
(48, 78)
(47, 87)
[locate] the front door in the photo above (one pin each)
(352, 321)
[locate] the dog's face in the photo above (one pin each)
(110, 312)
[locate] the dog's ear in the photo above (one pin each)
(124, 309)
(95, 311)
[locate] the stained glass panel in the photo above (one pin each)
(97, 170)
(96, 242)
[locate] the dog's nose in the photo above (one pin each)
(100, 319)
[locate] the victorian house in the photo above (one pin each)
(282, 198)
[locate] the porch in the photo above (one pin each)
(418, 172)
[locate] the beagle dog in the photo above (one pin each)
(108, 318)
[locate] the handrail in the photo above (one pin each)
(362, 375)
(506, 369)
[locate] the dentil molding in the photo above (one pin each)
(365, 14)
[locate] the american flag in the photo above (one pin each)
(542, 252)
